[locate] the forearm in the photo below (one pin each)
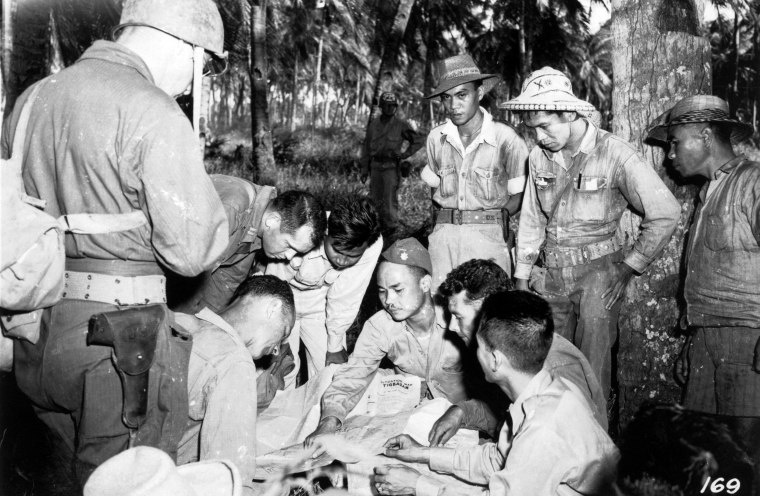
(531, 233)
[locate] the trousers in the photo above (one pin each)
(575, 296)
(383, 189)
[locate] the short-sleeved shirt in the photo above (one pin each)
(485, 174)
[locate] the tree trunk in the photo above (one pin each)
(26, 45)
(317, 77)
(263, 154)
(358, 97)
(522, 44)
(655, 65)
(389, 59)
(294, 95)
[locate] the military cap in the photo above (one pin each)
(409, 252)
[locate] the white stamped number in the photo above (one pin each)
(719, 485)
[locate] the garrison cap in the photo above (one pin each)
(409, 252)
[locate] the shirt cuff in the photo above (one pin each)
(430, 177)
(637, 261)
(442, 460)
(335, 342)
(427, 486)
(522, 270)
(334, 411)
(516, 185)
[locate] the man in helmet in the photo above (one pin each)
(106, 136)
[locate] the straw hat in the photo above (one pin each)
(694, 109)
(461, 69)
(548, 89)
(146, 471)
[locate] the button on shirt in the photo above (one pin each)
(320, 288)
(480, 177)
(614, 176)
(439, 363)
(221, 394)
(557, 449)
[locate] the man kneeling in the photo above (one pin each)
(554, 445)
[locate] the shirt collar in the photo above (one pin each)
(729, 166)
(440, 319)
(587, 142)
(487, 131)
(534, 387)
(110, 51)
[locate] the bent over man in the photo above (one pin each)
(477, 168)
(409, 331)
(106, 136)
(581, 181)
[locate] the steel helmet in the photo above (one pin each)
(194, 21)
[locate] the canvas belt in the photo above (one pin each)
(562, 256)
(458, 217)
(114, 289)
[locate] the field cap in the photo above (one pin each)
(409, 252)
(461, 69)
(388, 97)
(548, 89)
(695, 109)
(147, 471)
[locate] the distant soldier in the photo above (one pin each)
(582, 179)
(382, 157)
(722, 263)
(477, 167)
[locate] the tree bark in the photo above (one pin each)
(357, 108)
(26, 45)
(263, 153)
(317, 77)
(654, 67)
(294, 95)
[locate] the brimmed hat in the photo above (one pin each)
(409, 252)
(548, 89)
(695, 109)
(146, 471)
(461, 69)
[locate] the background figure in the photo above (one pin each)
(382, 156)
(722, 262)
(476, 167)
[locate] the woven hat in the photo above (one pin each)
(388, 97)
(548, 89)
(695, 109)
(147, 471)
(461, 69)
(409, 252)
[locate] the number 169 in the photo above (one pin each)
(717, 486)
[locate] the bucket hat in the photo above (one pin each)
(461, 69)
(695, 109)
(147, 471)
(548, 89)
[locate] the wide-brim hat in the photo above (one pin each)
(696, 109)
(147, 471)
(548, 89)
(461, 69)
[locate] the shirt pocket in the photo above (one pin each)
(448, 181)
(590, 202)
(486, 183)
(718, 233)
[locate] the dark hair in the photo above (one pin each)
(353, 221)
(478, 277)
(519, 324)
(267, 285)
(298, 209)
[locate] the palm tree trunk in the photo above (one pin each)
(643, 59)
(521, 43)
(263, 154)
(9, 7)
(357, 107)
(293, 95)
(317, 77)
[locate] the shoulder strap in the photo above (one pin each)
(580, 166)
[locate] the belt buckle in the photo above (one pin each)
(457, 217)
(585, 254)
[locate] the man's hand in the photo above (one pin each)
(617, 288)
(406, 449)
(396, 479)
(522, 284)
(338, 357)
(445, 427)
(327, 425)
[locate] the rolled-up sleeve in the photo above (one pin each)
(531, 231)
(345, 296)
(190, 230)
(475, 464)
(646, 193)
(516, 165)
(351, 380)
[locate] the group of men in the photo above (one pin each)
(250, 274)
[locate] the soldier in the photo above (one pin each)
(581, 181)
(382, 156)
(106, 136)
(477, 168)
